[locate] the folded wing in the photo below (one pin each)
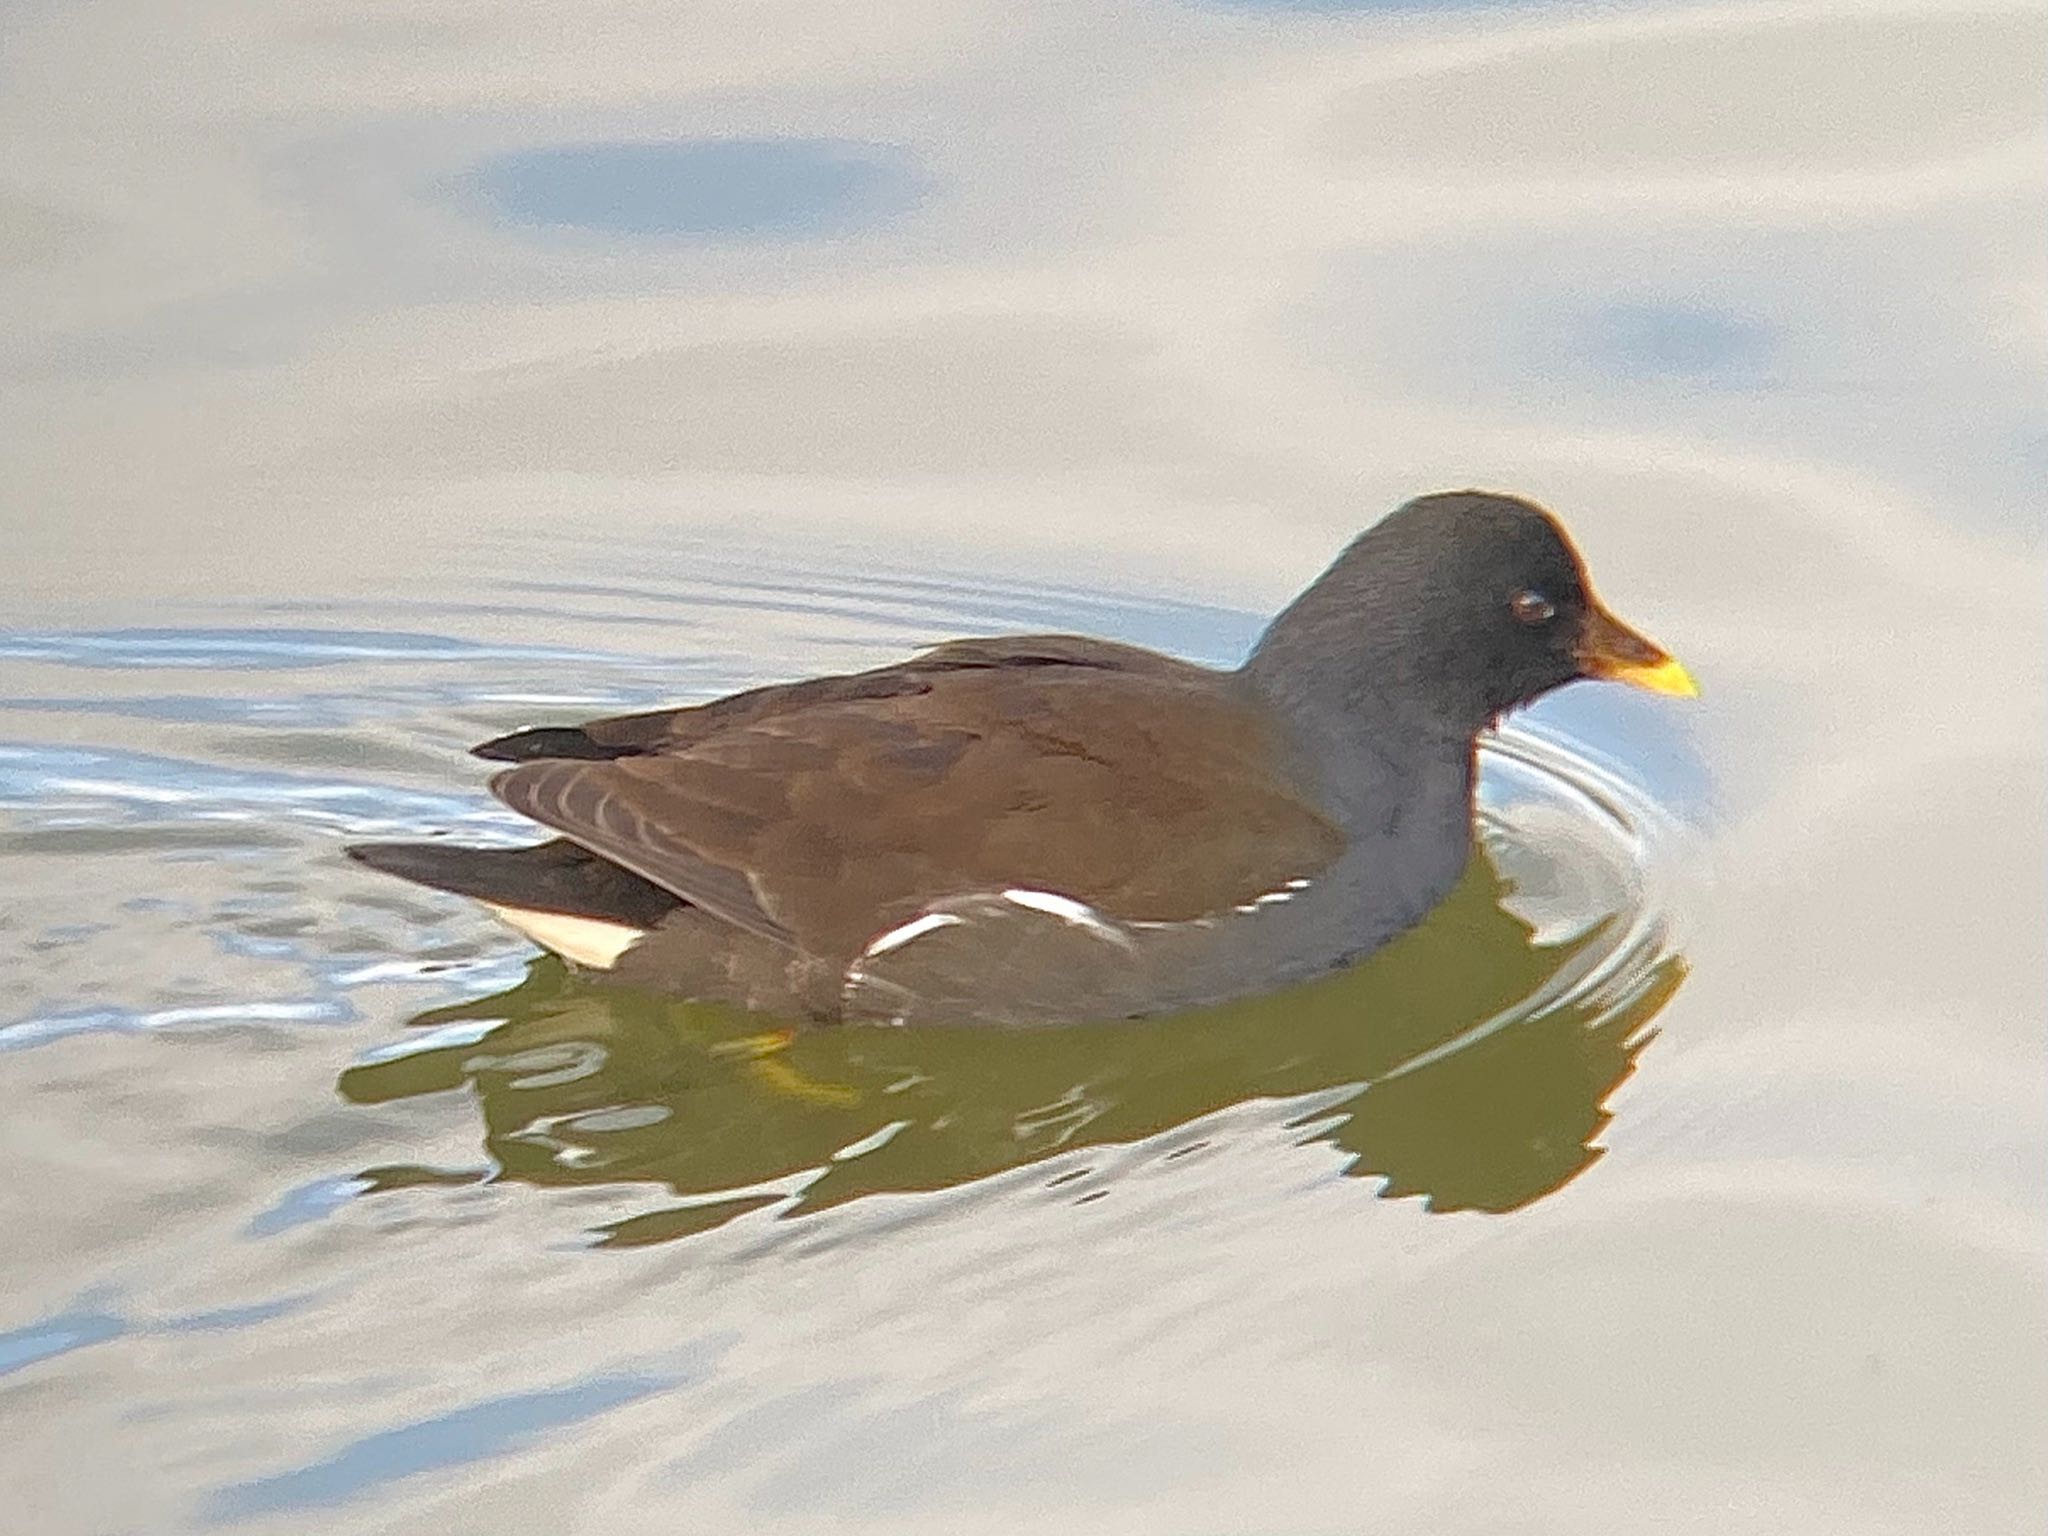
(818, 815)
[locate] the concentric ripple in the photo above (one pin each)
(1586, 850)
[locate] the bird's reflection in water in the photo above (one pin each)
(1464, 1064)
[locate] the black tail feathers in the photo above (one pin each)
(558, 876)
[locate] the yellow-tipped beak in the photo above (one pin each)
(1610, 649)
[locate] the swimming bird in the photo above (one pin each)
(1046, 828)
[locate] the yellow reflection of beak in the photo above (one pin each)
(1610, 649)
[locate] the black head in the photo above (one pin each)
(1455, 608)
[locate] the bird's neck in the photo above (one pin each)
(1363, 754)
(1352, 678)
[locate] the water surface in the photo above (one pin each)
(376, 384)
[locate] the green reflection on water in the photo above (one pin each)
(582, 1085)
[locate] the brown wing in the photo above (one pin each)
(610, 815)
(656, 730)
(1151, 794)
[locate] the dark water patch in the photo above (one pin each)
(738, 188)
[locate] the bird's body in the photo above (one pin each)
(1016, 829)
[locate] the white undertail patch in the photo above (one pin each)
(586, 941)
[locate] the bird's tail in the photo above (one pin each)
(558, 876)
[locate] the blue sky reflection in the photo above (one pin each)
(786, 189)
(477, 1433)
(1675, 339)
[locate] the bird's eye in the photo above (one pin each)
(1532, 607)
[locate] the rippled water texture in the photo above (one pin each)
(374, 382)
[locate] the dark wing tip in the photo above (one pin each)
(425, 863)
(556, 741)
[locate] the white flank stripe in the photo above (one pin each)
(916, 928)
(1076, 914)
(1065, 908)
